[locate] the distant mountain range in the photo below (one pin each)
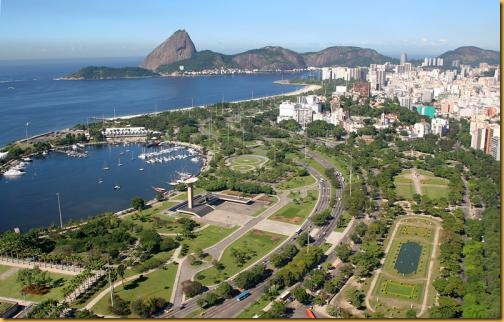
(178, 53)
(179, 50)
(471, 55)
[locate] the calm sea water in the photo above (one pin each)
(28, 93)
(30, 200)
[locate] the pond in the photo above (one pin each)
(408, 258)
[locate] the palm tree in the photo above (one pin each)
(120, 271)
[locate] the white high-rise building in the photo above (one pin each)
(405, 101)
(302, 111)
(404, 58)
(439, 126)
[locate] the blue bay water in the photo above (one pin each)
(30, 200)
(29, 93)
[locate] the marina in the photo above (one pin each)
(89, 185)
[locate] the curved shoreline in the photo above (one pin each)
(305, 89)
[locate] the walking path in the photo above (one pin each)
(53, 268)
(428, 280)
(416, 181)
(11, 271)
(431, 268)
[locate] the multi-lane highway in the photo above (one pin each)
(231, 307)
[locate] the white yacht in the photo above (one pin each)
(13, 172)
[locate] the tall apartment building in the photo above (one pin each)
(495, 148)
(482, 134)
(404, 58)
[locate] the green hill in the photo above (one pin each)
(102, 72)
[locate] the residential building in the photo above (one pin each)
(362, 88)
(421, 129)
(495, 148)
(439, 126)
(404, 58)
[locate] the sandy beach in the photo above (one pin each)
(305, 89)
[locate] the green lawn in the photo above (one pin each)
(247, 162)
(208, 237)
(255, 308)
(4, 269)
(156, 284)
(296, 182)
(345, 219)
(431, 186)
(295, 213)
(401, 290)
(257, 242)
(435, 192)
(405, 190)
(9, 287)
(165, 224)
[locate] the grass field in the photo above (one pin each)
(156, 284)
(394, 293)
(10, 287)
(435, 192)
(296, 182)
(208, 237)
(430, 185)
(257, 242)
(401, 290)
(296, 213)
(247, 162)
(255, 308)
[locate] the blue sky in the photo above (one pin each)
(33, 29)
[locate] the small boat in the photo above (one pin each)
(44, 153)
(119, 163)
(10, 87)
(100, 180)
(27, 159)
(158, 189)
(117, 187)
(141, 169)
(13, 173)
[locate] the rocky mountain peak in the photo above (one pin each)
(177, 47)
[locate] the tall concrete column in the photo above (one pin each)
(190, 195)
(189, 182)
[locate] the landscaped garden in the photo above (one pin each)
(46, 285)
(247, 162)
(297, 210)
(430, 185)
(153, 285)
(402, 282)
(239, 255)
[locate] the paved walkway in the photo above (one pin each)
(53, 268)
(11, 271)
(431, 268)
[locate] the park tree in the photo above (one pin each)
(355, 297)
(344, 252)
(277, 310)
(121, 307)
(301, 296)
(192, 288)
(138, 203)
(411, 314)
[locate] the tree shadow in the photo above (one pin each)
(135, 283)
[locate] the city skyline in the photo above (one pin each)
(59, 29)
